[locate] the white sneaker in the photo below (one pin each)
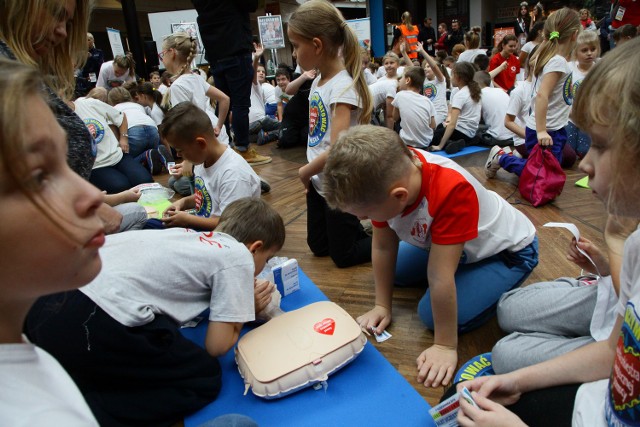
(493, 161)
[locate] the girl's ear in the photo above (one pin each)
(318, 45)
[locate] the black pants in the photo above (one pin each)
(438, 133)
(337, 234)
(148, 375)
(547, 407)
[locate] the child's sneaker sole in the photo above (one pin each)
(493, 161)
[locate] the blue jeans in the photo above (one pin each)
(515, 164)
(122, 176)
(141, 139)
(266, 124)
(479, 285)
(578, 140)
(233, 76)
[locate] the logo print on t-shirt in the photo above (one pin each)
(204, 207)
(420, 230)
(96, 129)
(575, 87)
(318, 120)
(430, 91)
(567, 90)
(623, 399)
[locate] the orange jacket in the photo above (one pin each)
(411, 40)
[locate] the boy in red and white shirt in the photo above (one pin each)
(466, 242)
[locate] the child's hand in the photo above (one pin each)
(175, 218)
(124, 144)
(130, 195)
(489, 413)
(436, 365)
(259, 49)
(403, 47)
(593, 251)
(217, 129)
(310, 75)
(420, 47)
(262, 294)
(186, 168)
(544, 139)
(174, 208)
(305, 178)
(503, 389)
(375, 320)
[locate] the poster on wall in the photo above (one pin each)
(499, 33)
(115, 41)
(362, 28)
(190, 28)
(271, 32)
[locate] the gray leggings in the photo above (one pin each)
(543, 320)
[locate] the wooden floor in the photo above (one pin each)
(352, 288)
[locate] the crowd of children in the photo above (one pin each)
(91, 337)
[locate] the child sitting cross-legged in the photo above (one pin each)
(465, 242)
(416, 111)
(221, 174)
(119, 337)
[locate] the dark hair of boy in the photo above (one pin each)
(185, 122)
(626, 31)
(284, 71)
(482, 62)
(154, 74)
(482, 78)
(251, 219)
(416, 74)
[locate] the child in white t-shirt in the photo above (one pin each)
(465, 113)
(119, 336)
(221, 175)
(267, 128)
(43, 200)
(415, 110)
(383, 92)
(494, 109)
(435, 85)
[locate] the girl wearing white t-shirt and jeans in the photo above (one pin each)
(551, 97)
(466, 111)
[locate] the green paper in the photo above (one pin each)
(160, 206)
(584, 182)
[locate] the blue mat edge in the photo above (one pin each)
(463, 152)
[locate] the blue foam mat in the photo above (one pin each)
(466, 150)
(367, 392)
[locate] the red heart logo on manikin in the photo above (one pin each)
(326, 326)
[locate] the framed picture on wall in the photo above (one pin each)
(190, 28)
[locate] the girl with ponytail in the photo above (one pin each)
(339, 98)
(465, 113)
(178, 51)
(552, 93)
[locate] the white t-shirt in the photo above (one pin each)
(155, 113)
(519, 102)
(176, 272)
(381, 72)
(107, 77)
(494, 107)
(97, 116)
(322, 100)
(416, 112)
(257, 111)
(227, 180)
(614, 401)
(470, 112)
(191, 87)
(282, 96)
(560, 99)
(36, 391)
(470, 54)
(453, 207)
(163, 88)
(383, 89)
(369, 77)
(577, 76)
(269, 93)
(437, 93)
(136, 115)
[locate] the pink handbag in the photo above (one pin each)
(542, 178)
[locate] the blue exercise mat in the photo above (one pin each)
(466, 150)
(368, 392)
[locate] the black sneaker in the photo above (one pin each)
(454, 146)
(264, 186)
(155, 161)
(166, 156)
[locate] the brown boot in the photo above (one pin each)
(253, 158)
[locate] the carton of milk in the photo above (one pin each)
(285, 276)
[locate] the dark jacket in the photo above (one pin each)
(225, 27)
